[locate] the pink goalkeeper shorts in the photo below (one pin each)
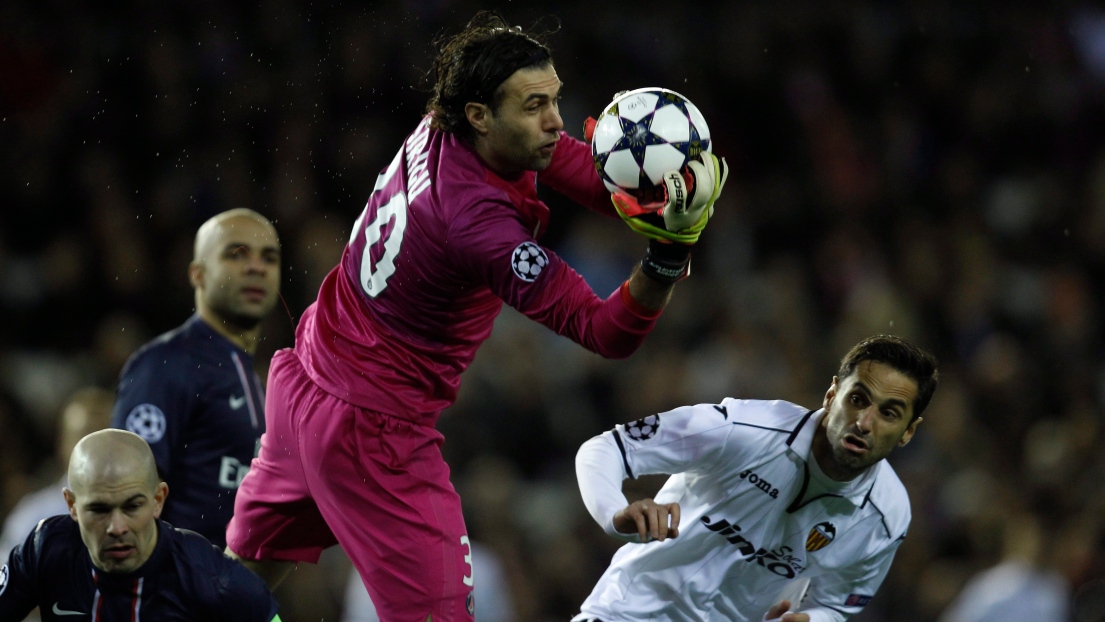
(332, 473)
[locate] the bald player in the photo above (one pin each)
(112, 558)
(192, 393)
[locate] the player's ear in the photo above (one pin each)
(829, 395)
(71, 501)
(478, 115)
(909, 432)
(195, 274)
(159, 495)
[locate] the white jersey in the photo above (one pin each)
(749, 523)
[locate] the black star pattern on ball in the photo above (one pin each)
(637, 135)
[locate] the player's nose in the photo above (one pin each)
(866, 417)
(554, 122)
(117, 524)
(256, 265)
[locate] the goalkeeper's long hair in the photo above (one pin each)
(471, 65)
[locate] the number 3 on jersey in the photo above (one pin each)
(374, 276)
(468, 579)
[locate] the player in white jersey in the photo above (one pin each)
(763, 494)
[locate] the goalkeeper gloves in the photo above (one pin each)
(683, 203)
(686, 202)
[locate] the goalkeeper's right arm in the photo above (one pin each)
(675, 227)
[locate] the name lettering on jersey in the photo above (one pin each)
(3, 578)
(724, 410)
(231, 472)
(417, 175)
(779, 561)
(760, 483)
(723, 527)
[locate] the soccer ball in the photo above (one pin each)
(643, 134)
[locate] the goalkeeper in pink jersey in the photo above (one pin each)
(450, 232)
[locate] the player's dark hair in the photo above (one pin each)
(903, 356)
(471, 65)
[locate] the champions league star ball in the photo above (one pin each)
(643, 134)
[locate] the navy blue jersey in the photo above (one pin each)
(186, 578)
(195, 398)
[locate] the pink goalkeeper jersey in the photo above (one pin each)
(441, 244)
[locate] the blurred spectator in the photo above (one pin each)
(1023, 586)
(88, 410)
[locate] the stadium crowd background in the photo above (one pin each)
(934, 170)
